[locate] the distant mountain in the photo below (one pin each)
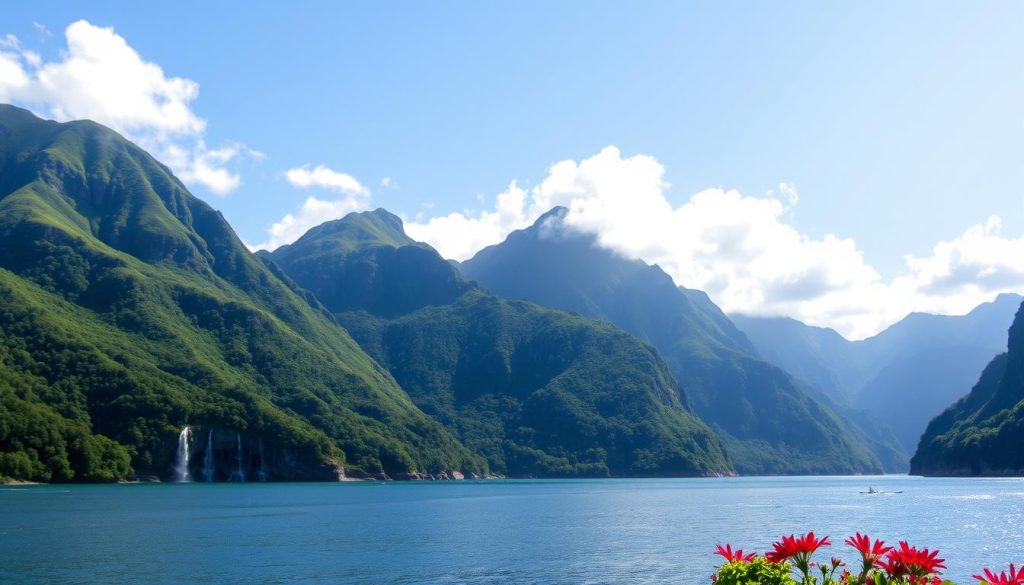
(983, 433)
(538, 392)
(130, 309)
(816, 355)
(902, 377)
(770, 425)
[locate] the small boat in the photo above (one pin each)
(873, 491)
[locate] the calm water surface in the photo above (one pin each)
(503, 532)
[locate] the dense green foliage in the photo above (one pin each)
(769, 424)
(982, 434)
(902, 377)
(368, 263)
(756, 572)
(129, 308)
(536, 391)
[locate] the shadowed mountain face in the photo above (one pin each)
(983, 433)
(902, 377)
(769, 424)
(537, 391)
(129, 309)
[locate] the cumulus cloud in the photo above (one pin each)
(101, 77)
(460, 235)
(325, 178)
(314, 211)
(741, 249)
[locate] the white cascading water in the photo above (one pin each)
(208, 466)
(263, 465)
(239, 474)
(184, 447)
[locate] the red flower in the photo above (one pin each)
(869, 552)
(732, 556)
(910, 560)
(794, 546)
(1014, 578)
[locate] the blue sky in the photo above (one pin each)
(899, 125)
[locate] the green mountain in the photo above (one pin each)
(983, 433)
(769, 424)
(902, 377)
(538, 392)
(130, 309)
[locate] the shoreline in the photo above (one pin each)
(383, 478)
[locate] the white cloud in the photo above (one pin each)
(314, 211)
(311, 213)
(206, 166)
(460, 235)
(326, 178)
(743, 250)
(102, 78)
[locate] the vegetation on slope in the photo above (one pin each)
(983, 432)
(129, 308)
(537, 391)
(769, 424)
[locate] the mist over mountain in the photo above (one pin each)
(538, 392)
(902, 377)
(769, 424)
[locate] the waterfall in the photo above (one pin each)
(208, 465)
(263, 464)
(181, 461)
(239, 474)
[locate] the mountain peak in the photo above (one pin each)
(365, 261)
(359, 229)
(386, 216)
(556, 213)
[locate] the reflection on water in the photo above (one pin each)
(507, 532)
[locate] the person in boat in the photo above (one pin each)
(872, 490)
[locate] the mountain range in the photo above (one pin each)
(769, 424)
(537, 391)
(901, 377)
(139, 338)
(129, 309)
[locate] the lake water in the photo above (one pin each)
(503, 532)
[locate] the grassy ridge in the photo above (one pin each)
(131, 309)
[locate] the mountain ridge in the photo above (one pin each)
(904, 375)
(765, 418)
(132, 309)
(981, 434)
(538, 391)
